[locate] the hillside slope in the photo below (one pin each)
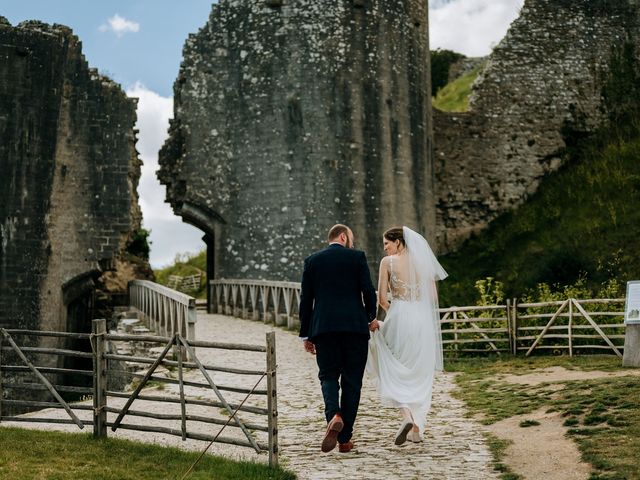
(583, 221)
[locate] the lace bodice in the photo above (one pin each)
(399, 283)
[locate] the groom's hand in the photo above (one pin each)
(374, 325)
(309, 347)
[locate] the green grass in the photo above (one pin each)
(478, 368)
(498, 447)
(454, 97)
(27, 454)
(602, 415)
(582, 222)
(529, 423)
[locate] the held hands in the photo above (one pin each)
(374, 325)
(309, 347)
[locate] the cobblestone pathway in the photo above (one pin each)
(454, 447)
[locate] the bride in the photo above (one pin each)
(406, 349)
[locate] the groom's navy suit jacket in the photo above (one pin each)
(337, 294)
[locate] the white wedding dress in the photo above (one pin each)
(407, 349)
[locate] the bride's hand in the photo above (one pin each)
(374, 325)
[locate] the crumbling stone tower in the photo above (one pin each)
(68, 176)
(292, 115)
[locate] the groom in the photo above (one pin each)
(337, 303)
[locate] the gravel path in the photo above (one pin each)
(454, 447)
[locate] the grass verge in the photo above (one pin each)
(498, 447)
(602, 415)
(30, 454)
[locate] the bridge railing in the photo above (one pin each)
(566, 326)
(167, 311)
(264, 300)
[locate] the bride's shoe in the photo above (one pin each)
(414, 437)
(405, 428)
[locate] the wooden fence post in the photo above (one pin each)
(272, 399)
(99, 330)
(509, 325)
(570, 328)
(192, 318)
(514, 322)
(456, 345)
(183, 405)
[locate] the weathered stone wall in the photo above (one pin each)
(546, 74)
(465, 65)
(292, 116)
(68, 174)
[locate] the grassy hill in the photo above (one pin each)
(581, 229)
(185, 265)
(582, 224)
(454, 97)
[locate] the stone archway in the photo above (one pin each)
(210, 223)
(78, 298)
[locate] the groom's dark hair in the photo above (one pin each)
(395, 233)
(337, 230)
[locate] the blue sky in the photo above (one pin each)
(150, 56)
(138, 43)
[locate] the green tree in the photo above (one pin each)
(140, 245)
(441, 60)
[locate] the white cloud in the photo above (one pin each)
(169, 235)
(119, 25)
(471, 27)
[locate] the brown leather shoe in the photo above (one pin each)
(331, 436)
(345, 447)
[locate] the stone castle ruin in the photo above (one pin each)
(290, 115)
(68, 176)
(543, 80)
(293, 115)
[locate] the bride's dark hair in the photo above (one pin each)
(395, 233)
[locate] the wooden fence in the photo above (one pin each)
(39, 370)
(187, 283)
(566, 326)
(166, 311)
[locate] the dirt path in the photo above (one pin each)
(561, 374)
(544, 451)
(541, 451)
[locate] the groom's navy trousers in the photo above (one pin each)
(341, 358)
(337, 302)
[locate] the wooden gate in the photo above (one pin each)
(187, 383)
(567, 326)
